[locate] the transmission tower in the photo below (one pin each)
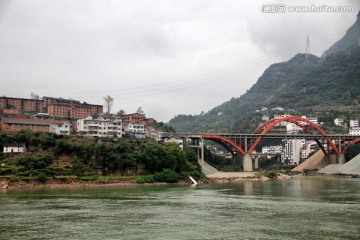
(307, 49)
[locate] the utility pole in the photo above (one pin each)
(307, 49)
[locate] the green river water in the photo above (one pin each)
(298, 208)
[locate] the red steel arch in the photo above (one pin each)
(295, 120)
(348, 145)
(218, 138)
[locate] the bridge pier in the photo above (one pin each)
(248, 166)
(332, 158)
(256, 162)
(341, 158)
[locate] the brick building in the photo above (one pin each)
(134, 118)
(22, 104)
(14, 125)
(137, 118)
(58, 107)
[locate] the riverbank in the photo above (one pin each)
(70, 183)
(73, 185)
(6, 184)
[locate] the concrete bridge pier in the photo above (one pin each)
(256, 162)
(332, 158)
(341, 158)
(248, 166)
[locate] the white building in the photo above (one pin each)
(265, 118)
(134, 130)
(292, 151)
(60, 128)
(282, 116)
(308, 148)
(14, 148)
(314, 120)
(354, 123)
(175, 140)
(290, 128)
(272, 149)
(339, 122)
(278, 109)
(43, 116)
(354, 131)
(151, 132)
(99, 127)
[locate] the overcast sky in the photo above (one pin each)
(167, 56)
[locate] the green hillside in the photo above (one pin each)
(326, 87)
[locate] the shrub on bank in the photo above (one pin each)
(145, 179)
(270, 174)
(166, 175)
(41, 178)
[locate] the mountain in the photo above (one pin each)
(350, 41)
(326, 87)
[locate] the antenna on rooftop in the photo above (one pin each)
(307, 49)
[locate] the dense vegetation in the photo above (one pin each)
(51, 155)
(327, 87)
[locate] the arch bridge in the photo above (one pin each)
(245, 144)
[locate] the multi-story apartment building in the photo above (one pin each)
(22, 104)
(272, 149)
(290, 127)
(137, 118)
(354, 131)
(281, 116)
(135, 130)
(37, 125)
(151, 132)
(58, 107)
(354, 123)
(291, 152)
(134, 118)
(99, 127)
(307, 148)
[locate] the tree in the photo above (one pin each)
(140, 110)
(34, 96)
(121, 113)
(109, 102)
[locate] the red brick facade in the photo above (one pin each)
(55, 106)
(22, 104)
(13, 125)
(137, 118)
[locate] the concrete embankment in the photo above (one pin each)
(214, 175)
(207, 169)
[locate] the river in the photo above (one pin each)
(298, 208)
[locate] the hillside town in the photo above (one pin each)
(71, 117)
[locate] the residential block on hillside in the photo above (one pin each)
(58, 107)
(99, 127)
(137, 118)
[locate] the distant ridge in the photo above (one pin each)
(349, 41)
(327, 87)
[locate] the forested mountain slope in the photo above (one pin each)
(326, 87)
